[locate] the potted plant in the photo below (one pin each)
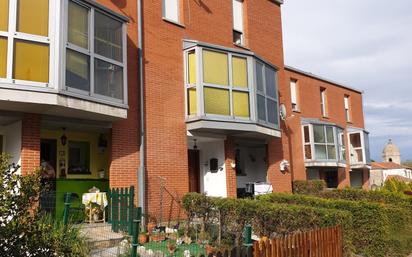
(151, 224)
(142, 238)
(171, 247)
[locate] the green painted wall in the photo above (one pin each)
(78, 186)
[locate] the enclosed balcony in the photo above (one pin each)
(65, 58)
(359, 148)
(323, 144)
(230, 92)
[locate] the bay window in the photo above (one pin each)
(323, 142)
(95, 53)
(230, 86)
(359, 147)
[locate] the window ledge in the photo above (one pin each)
(174, 22)
(296, 111)
(242, 46)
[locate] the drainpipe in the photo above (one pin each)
(141, 173)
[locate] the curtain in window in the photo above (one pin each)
(4, 15)
(33, 17)
(240, 104)
(192, 68)
(192, 98)
(31, 61)
(215, 68)
(3, 57)
(78, 32)
(239, 67)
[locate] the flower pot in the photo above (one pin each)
(210, 250)
(150, 227)
(142, 239)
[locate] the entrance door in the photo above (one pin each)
(48, 158)
(194, 171)
(331, 178)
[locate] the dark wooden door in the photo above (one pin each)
(194, 171)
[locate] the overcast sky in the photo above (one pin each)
(366, 44)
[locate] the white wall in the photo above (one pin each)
(253, 163)
(212, 184)
(378, 176)
(12, 141)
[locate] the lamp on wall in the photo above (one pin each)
(63, 138)
(194, 144)
(102, 143)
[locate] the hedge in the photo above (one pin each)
(266, 219)
(370, 227)
(308, 186)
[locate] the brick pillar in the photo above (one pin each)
(278, 151)
(366, 177)
(30, 143)
(230, 172)
(343, 177)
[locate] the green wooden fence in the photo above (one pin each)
(121, 210)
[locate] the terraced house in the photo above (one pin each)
(182, 95)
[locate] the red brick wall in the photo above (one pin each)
(230, 172)
(309, 105)
(30, 143)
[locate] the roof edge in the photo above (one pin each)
(309, 74)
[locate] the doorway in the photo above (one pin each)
(194, 171)
(331, 178)
(48, 158)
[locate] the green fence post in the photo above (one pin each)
(136, 225)
(131, 210)
(115, 219)
(66, 208)
(248, 239)
(109, 206)
(123, 190)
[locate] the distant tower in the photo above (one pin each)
(391, 153)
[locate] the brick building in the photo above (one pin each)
(214, 77)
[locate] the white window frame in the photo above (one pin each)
(325, 144)
(323, 102)
(362, 147)
(342, 145)
(294, 95)
(12, 35)
(165, 12)
(347, 108)
(238, 28)
(93, 56)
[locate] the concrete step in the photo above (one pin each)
(100, 236)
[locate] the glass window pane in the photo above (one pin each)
(108, 37)
(331, 152)
(171, 9)
(270, 76)
(319, 134)
(215, 68)
(192, 67)
(355, 140)
(306, 132)
(367, 151)
(78, 28)
(33, 17)
(31, 61)
(358, 155)
(239, 67)
(241, 104)
(216, 101)
(4, 15)
(308, 152)
(261, 104)
(259, 76)
(77, 70)
(320, 152)
(108, 79)
(3, 57)
(272, 111)
(192, 105)
(329, 135)
(79, 157)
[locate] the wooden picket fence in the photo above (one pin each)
(325, 242)
(121, 209)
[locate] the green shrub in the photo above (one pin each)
(308, 186)
(266, 219)
(370, 227)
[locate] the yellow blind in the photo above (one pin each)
(240, 104)
(78, 25)
(4, 15)
(192, 68)
(33, 17)
(215, 68)
(216, 101)
(239, 67)
(3, 57)
(31, 61)
(192, 105)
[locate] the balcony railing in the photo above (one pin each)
(227, 85)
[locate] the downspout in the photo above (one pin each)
(141, 173)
